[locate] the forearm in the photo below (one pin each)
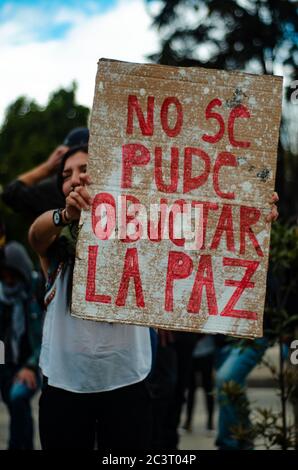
(43, 233)
(35, 175)
(45, 169)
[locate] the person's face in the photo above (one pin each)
(74, 166)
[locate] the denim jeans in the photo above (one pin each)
(17, 396)
(233, 364)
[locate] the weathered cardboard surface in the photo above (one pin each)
(252, 181)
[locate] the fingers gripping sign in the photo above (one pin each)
(273, 216)
(78, 198)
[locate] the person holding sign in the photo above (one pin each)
(94, 373)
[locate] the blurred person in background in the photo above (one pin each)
(36, 191)
(202, 365)
(20, 331)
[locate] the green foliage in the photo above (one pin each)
(28, 135)
(284, 248)
(236, 34)
(29, 132)
(284, 261)
(234, 394)
(268, 429)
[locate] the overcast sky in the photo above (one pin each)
(45, 44)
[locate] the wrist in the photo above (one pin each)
(65, 217)
(59, 219)
(47, 168)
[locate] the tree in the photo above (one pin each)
(30, 132)
(257, 36)
(28, 135)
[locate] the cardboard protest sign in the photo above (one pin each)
(183, 163)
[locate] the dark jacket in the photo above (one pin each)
(33, 200)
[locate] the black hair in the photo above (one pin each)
(69, 153)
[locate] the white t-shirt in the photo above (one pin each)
(86, 356)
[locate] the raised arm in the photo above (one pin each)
(42, 234)
(45, 169)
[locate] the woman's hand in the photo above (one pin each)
(54, 160)
(273, 216)
(78, 199)
(27, 377)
